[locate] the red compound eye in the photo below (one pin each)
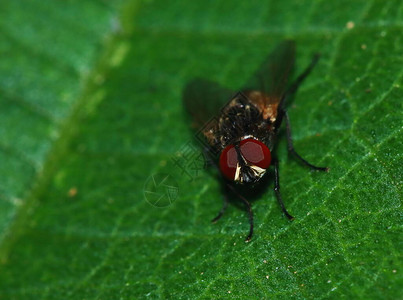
(228, 161)
(256, 153)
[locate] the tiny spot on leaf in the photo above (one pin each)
(72, 192)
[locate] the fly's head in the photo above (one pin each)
(246, 161)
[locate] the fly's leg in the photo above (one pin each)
(250, 212)
(292, 150)
(209, 161)
(295, 85)
(223, 209)
(292, 90)
(277, 190)
(283, 113)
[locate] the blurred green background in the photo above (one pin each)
(91, 106)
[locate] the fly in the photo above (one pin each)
(241, 136)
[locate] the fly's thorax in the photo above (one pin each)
(267, 105)
(238, 119)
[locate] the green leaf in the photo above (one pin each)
(86, 120)
(44, 63)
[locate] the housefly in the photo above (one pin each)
(240, 134)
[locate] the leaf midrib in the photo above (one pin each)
(67, 129)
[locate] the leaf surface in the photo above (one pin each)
(84, 229)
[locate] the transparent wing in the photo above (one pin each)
(273, 74)
(203, 100)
